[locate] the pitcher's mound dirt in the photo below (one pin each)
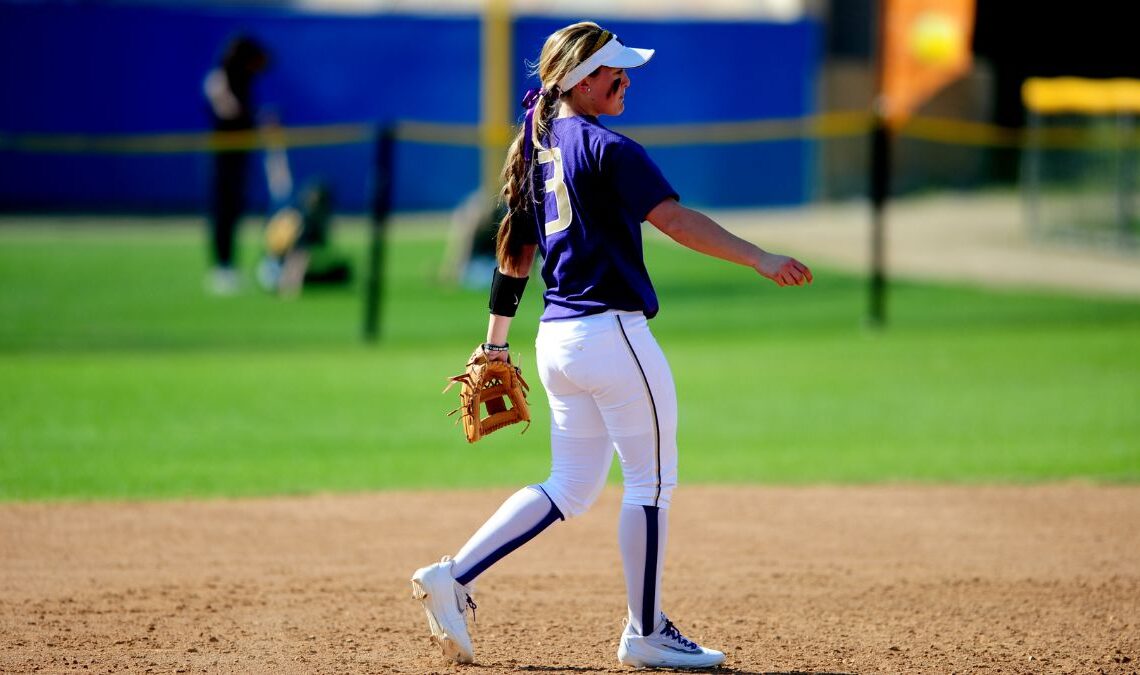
(1041, 579)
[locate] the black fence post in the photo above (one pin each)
(381, 207)
(880, 192)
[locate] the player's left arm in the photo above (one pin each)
(697, 231)
(498, 326)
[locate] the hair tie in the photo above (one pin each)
(531, 97)
(529, 100)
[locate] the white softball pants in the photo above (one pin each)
(610, 389)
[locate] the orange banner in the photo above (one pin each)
(926, 44)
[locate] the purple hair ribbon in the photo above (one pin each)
(529, 100)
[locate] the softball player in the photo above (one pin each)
(577, 193)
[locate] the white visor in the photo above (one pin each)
(614, 54)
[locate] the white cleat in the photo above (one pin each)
(445, 602)
(665, 647)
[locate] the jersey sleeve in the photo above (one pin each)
(525, 223)
(635, 178)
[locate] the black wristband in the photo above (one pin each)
(489, 347)
(506, 292)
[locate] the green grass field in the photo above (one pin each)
(120, 378)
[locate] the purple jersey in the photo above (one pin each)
(598, 188)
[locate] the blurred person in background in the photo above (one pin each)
(228, 88)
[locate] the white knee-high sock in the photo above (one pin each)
(520, 519)
(642, 533)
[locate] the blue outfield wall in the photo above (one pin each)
(95, 69)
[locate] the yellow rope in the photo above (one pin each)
(851, 124)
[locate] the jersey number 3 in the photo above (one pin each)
(557, 185)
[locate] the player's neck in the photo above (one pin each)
(568, 109)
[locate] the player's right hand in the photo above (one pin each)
(784, 270)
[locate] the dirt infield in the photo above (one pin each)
(893, 579)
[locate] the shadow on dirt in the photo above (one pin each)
(725, 671)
